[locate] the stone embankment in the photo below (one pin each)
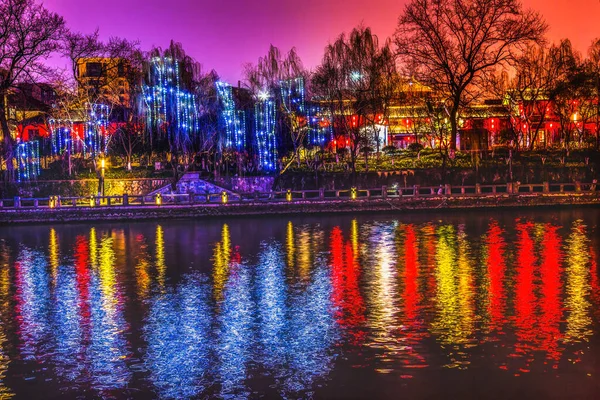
(399, 205)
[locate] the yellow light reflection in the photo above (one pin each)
(354, 237)
(107, 274)
(161, 267)
(304, 257)
(450, 325)
(53, 253)
(221, 259)
(578, 286)
(466, 284)
(142, 268)
(291, 249)
(93, 249)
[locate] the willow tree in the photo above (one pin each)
(170, 104)
(356, 79)
(451, 45)
(29, 34)
(268, 80)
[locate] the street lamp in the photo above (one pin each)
(101, 183)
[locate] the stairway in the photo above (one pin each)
(191, 183)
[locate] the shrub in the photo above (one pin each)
(415, 147)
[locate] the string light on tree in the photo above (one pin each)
(264, 118)
(171, 110)
(97, 136)
(28, 160)
(232, 120)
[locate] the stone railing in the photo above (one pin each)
(514, 189)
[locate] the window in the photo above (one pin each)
(93, 69)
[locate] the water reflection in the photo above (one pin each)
(108, 312)
(177, 336)
(578, 286)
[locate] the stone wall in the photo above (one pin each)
(86, 187)
(433, 177)
(250, 184)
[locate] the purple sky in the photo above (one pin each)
(225, 34)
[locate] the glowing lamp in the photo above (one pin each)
(353, 193)
(224, 197)
(52, 202)
(158, 199)
(288, 195)
(92, 201)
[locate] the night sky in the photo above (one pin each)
(225, 34)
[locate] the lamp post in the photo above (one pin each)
(101, 181)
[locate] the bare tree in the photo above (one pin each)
(593, 67)
(29, 33)
(574, 96)
(356, 79)
(452, 44)
(104, 74)
(529, 93)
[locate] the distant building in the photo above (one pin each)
(105, 80)
(28, 108)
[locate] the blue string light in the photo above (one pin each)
(232, 120)
(264, 117)
(170, 109)
(28, 160)
(96, 129)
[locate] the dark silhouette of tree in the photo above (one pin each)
(593, 68)
(451, 45)
(29, 33)
(574, 96)
(529, 93)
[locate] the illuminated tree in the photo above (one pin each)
(29, 33)
(451, 45)
(170, 104)
(278, 85)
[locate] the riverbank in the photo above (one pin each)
(339, 206)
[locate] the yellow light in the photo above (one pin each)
(92, 201)
(288, 195)
(102, 163)
(224, 197)
(158, 199)
(52, 202)
(353, 193)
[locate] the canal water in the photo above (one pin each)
(451, 305)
